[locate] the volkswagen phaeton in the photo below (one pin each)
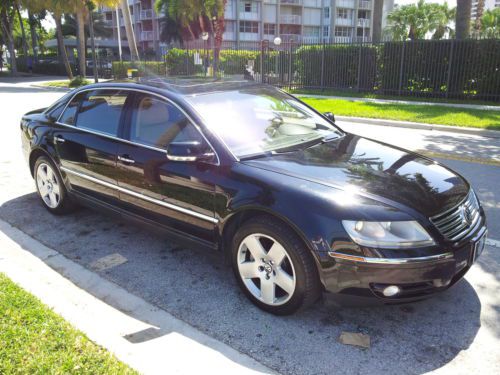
(299, 207)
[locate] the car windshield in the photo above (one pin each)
(258, 120)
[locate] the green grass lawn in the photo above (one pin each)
(432, 114)
(371, 95)
(35, 340)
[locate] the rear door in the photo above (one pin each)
(86, 139)
(178, 194)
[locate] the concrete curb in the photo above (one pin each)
(418, 125)
(50, 88)
(145, 337)
(411, 102)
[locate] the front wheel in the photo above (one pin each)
(273, 267)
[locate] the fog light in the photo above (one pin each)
(391, 291)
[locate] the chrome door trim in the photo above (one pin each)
(125, 140)
(430, 258)
(141, 196)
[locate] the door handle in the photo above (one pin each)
(58, 139)
(126, 160)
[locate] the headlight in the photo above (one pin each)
(388, 234)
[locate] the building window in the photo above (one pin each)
(109, 16)
(343, 13)
(363, 14)
(248, 7)
(311, 31)
(326, 31)
(229, 26)
(269, 29)
(327, 12)
(342, 31)
(249, 27)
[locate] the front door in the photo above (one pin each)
(178, 194)
(86, 139)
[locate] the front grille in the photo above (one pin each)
(456, 223)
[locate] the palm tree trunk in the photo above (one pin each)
(62, 48)
(6, 26)
(129, 29)
(378, 6)
(463, 19)
(34, 37)
(80, 32)
(23, 33)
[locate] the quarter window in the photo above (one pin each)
(157, 123)
(100, 111)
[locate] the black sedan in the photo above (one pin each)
(296, 204)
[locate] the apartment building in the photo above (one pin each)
(488, 5)
(310, 21)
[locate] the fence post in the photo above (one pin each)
(359, 65)
(290, 67)
(262, 61)
(401, 65)
(450, 61)
(322, 66)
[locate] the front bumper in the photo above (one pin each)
(362, 281)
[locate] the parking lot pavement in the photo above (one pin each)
(457, 332)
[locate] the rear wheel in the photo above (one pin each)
(51, 188)
(273, 267)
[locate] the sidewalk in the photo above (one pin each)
(141, 335)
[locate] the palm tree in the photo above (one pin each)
(479, 15)
(462, 22)
(378, 10)
(7, 13)
(490, 24)
(442, 19)
(23, 32)
(129, 29)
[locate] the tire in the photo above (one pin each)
(273, 267)
(50, 187)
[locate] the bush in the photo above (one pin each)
(78, 81)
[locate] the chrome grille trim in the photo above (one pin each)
(454, 224)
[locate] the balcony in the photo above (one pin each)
(286, 38)
(291, 19)
(344, 22)
(346, 4)
(364, 4)
(249, 37)
(291, 2)
(249, 16)
(146, 36)
(108, 23)
(146, 14)
(363, 22)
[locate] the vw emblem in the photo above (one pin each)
(466, 215)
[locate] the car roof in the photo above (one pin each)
(182, 86)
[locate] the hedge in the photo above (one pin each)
(144, 68)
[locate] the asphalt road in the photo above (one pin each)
(457, 332)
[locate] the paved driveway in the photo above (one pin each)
(458, 332)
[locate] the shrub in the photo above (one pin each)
(78, 81)
(144, 68)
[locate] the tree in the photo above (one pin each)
(479, 15)
(462, 22)
(129, 29)
(23, 32)
(415, 21)
(490, 24)
(378, 10)
(7, 14)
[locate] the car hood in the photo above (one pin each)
(375, 169)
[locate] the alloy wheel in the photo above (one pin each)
(48, 185)
(266, 269)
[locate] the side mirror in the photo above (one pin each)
(189, 152)
(330, 116)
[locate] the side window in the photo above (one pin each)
(69, 114)
(157, 123)
(101, 110)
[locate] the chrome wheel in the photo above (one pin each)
(48, 185)
(266, 269)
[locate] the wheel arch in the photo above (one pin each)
(34, 155)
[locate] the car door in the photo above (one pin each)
(86, 140)
(178, 194)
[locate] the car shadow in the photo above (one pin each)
(199, 288)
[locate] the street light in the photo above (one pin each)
(277, 41)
